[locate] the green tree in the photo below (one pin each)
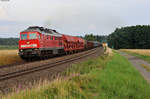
(133, 37)
(9, 41)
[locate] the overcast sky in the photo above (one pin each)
(74, 17)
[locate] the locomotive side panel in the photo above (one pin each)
(51, 44)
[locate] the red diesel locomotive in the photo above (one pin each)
(42, 42)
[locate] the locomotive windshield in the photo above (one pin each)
(23, 36)
(32, 36)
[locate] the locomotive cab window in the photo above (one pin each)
(32, 36)
(23, 36)
(43, 37)
(56, 38)
(51, 37)
(47, 37)
(39, 36)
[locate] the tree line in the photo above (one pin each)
(131, 37)
(90, 37)
(99, 38)
(9, 41)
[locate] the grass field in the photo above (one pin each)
(107, 77)
(7, 47)
(9, 57)
(141, 53)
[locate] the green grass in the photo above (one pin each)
(102, 78)
(8, 47)
(144, 57)
(120, 80)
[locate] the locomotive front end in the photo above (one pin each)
(29, 44)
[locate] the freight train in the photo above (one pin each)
(43, 43)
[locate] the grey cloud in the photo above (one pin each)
(74, 17)
(84, 20)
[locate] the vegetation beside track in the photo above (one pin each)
(9, 41)
(105, 77)
(8, 47)
(143, 54)
(9, 57)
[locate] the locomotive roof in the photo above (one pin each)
(42, 30)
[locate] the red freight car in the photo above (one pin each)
(90, 44)
(73, 44)
(42, 42)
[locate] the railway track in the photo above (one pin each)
(22, 72)
(23, 63)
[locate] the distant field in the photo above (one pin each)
(9, 57)
(141, 53)
(8, 47)
(138, 51)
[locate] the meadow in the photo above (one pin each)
(141, 53)
(8, 47)
(106, 77)
(9, 57)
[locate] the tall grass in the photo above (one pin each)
(105, 77)
(9, 57)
